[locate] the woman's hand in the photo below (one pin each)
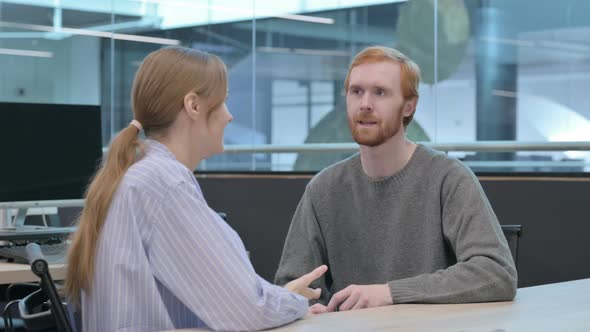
(301, 285)
(317, 309)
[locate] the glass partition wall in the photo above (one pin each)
(503, 88)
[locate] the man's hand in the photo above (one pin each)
(317, 309)
(301, 285)
(360, 296)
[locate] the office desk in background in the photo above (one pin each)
(556, 307)
(14, 272)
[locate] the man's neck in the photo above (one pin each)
(388, 158)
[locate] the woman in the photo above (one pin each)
(149, 254)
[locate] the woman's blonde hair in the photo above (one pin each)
(161, 82)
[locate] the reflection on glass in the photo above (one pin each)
(491, 70)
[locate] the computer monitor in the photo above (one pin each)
(48, 151)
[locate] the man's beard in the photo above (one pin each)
(374, 136)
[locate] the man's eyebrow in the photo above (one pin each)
(384, 88)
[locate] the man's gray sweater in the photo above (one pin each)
(428, 231)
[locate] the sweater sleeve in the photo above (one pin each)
(304, 248)
(485, 270)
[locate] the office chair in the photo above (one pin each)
(14, 293)
(43, 309)
(513, 234)
(223, 215)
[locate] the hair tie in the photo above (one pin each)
(136, 124)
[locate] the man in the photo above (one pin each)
(399, 222)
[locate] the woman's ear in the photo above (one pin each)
(192, 105)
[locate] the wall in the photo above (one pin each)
(70, 76)
(554, 214)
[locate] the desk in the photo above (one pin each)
(12, 272)
(556, 307)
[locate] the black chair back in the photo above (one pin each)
(513, 234)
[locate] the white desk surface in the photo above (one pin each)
(555, 307)
(12, 272)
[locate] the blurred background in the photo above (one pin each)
(515, 73)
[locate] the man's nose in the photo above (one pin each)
(366, 102)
